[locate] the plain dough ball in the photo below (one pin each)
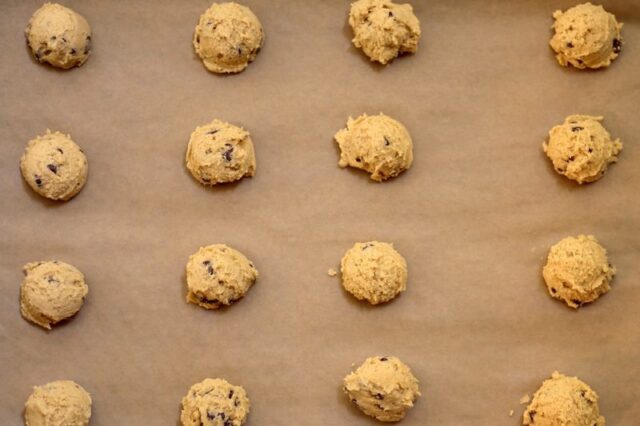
(215, 402)
(374, 271)
(59, 36)
(59, 403)
(563, 401)
(54, 166)
(586, 36)
(578, 271)
(383, 29)
(51, 291)
(218, 275)
(228, 37)
(220, 152)
(581, 148)
(376, 144)
(382, 387)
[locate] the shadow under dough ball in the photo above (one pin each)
(59, 36)
(62, 402)
(586, 36)
(215, 402)
(228, 37)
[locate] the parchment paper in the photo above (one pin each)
(474, 216)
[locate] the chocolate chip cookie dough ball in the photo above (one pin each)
(586, 36)
(383, 29)
(228, 37)
(374, 271)
(581, 148)
(563, 400)
(51, 291)
(382, 387)
(59, 36)
(54, 166)
(218, 275)
(62, 402)
(376, 144)
(220, 152)
(215, 402)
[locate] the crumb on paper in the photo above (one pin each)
(511, 413)
(332, 272)
(525, 398)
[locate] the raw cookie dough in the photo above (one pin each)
(59, 36)
(578, 271)
(383, 29)
(581, 148)
(220, 152)
(228, 37)
(59, 403)
(51, 291)
(374, 271)
(563, 401)
(54, 166)
(377, 144)
(218, 275)
(586, 36)
(215, 402)
(382, 387)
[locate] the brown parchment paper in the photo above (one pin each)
(474, 216)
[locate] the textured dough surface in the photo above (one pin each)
(577, 270)
(218, 275)
(563, 401)
(382, 387)
(586, 36)
(220, 152)
(59, 403)
(228, 37)
(59, 36)
(215, 402)
(377, 144)
(383, 29)
(51, 291)
(54, 166)
(581, 148)
(374, 271)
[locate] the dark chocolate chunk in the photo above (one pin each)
(553, 290)
(211, 415)
(73, 51)
(228, 154)
(231, 394)
(51, 279)
(198, 39)
(209, 266)
(569, 45)
(386, 141)
(236, 403)
(617, 45)
(580, 61)
(590, 149)
(60, 150)
(560, 170)
(64, 40)
(228, 422)
(390, 14)
(38, 181)
(571, 158)
(384, 358)
(53, 168)
(379, 396)
(222, 415)
(209, 301)
(47, 52)
(577, 129)
(358, 159)
(576, 302)
(212, 132)
(532, 415)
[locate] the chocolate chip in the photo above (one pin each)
(88, 38)
(206, 180)
(231, 394)
(53, 168)
(228, 422)
(211, 415)
(353, 400)
(239, 52)
(60, 151)
(212, 132)
(576, 302)
(571, 158)
(379, 396)
(384, 358)
(560, 170)
(617, 45)
(209, 301)
(386, 141)
(577, 129)
(553, 290)
(53, 37)
(532, 415)
(390, 14)
(198, 39)
(590, 149)
(47, 52)
(38, 181)
(73, 51)
(236, 403)
(228, 154)
(52, 280)
(209, 266)
(366, 246)
(358, 159)
(222, 415)
(64, 40)
(569, 45)
(580, 61)
(37, 55)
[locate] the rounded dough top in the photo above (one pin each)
(59, 403)
(215, 402)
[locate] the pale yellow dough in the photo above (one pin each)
(581, 148)
(215, 402)
(377, 144)
(51, 291)
(563, 401)
(383, 29)
(59, 403)
(220, 152)
(218, 275)
(374, 271)
(228, 37)
(578, 270)
(382, 387)
(59, 36)
(586, 36)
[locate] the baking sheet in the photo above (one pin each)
(474, 216)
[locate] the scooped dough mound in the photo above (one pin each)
(59, 403)
(215, 402)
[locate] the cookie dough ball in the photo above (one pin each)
(51, 291)
(59, 36)
(382, 387)
(383, 29)
(376, 144)
(220, 152)
(62, 402)
(581, 148)
(586, 36)
(374, 271)
(563, 400)
(215, 402)
(578, 271)
(218, 275)
(228, 37)
(54, 166)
